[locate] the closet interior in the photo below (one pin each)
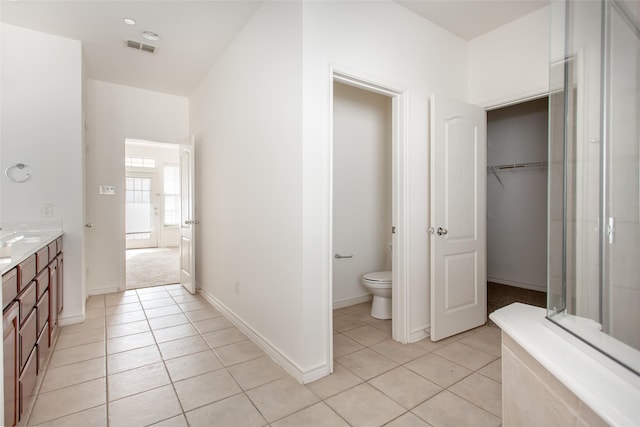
(517, 153)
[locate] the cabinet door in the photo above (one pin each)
(10, 364)
(60, 282)
(53, 301)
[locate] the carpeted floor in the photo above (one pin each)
(499, 296)
(152, 267)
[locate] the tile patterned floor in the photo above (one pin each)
(160, 356)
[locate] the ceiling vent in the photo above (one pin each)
(140, 46)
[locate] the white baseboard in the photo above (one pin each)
(103, 291)
(351, 301)
(273, 351)
(71, 320)
(420, 334)
(531, 286)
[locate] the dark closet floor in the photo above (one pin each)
(499, 296)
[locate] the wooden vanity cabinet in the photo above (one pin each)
(33, 300)
(10, 363)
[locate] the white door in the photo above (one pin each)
(458, 218)
(187, 222)
(141, 211)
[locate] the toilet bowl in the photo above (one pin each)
(379, 284)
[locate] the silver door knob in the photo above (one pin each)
(441, 231)
(188, 221)
(88, 225)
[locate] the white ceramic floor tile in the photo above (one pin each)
(69, 400)
(137, 380)
(281, 398)
(145, 408)
(76, 373)
(363, 405)
(205, 389)
(448, 410)
(318, 415)
(133, 359)
(234, 411)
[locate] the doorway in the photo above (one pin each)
(517, 153)
(394, 237)
(152, 214)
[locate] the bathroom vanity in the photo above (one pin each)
(32, 286)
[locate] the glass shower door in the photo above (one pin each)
(594, 175)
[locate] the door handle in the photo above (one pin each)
(338, 256)
(188, 222)
(88, 225)
(441, 231)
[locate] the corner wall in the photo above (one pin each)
(246, 117)
(42, 128)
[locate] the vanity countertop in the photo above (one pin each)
(16, 246)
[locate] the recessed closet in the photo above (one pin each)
(517, 196)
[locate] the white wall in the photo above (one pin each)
(511, 62)
(517, 210)
(246, 116)
(42, 128)
(388, 44)
(114, 113)
(361, 189)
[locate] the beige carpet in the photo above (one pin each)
(152, 267)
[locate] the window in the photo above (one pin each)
(138, 162)
(171, 195)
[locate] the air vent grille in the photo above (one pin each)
(140, 46)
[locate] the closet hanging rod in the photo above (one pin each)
(518, 166)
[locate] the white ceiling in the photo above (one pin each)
(195, 33)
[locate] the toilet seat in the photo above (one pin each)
(378, 279)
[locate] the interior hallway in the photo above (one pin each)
(161, 355)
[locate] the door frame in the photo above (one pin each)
(400, 205)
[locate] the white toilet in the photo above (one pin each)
(379, 284)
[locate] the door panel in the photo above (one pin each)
(187, 222)
(141, 211)
(458, 206)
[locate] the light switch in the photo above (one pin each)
(108, 190)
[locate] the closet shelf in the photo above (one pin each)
(514, 166)
(518, 166)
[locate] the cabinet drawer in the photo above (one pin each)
(9, 286)
(42, 258)
(27, 300)
(28, 334)
(42, 282)
(43, 348)
(26, 271)
(53, 250)
(42, 311)
(28, 380)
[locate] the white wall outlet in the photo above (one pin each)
(46, 210)
(108, 190)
